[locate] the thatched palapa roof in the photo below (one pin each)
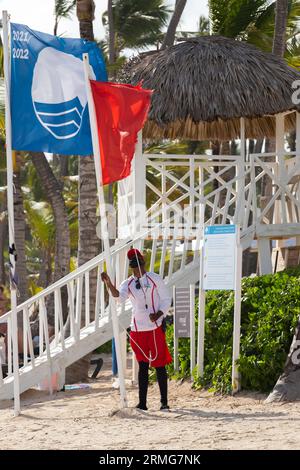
(203, 86)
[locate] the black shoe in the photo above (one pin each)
(164, 408)
(99, 364)
(139, 406)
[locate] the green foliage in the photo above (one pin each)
(106, 348)
(137, 23)
(231, 18)
(64, 8)
(254, 21)
(270, 312)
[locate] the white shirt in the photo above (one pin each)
(153, 296)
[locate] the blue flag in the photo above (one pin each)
(48, 98)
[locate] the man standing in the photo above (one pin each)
(150, 300)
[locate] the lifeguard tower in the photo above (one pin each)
(206, 89)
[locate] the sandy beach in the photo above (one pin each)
(91, 419)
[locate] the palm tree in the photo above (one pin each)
(279, 42)
(54, 196)
(254, 21)
(204, 26)
(3, 237)
(20, 225)
(53, 193)
(3, 203)
(40, 248)
(136, 23)
(111, 33)
(171, 31)
(261, 33)
(85, 10)
(233, 18)
(62, 9)
(88, 243)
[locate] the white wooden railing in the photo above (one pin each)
(204, 191)
(169, 257)
(283, 201)
(199, 191)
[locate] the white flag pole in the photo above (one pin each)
(104, 224)
(10, 211)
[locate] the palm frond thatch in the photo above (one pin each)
(204, 85)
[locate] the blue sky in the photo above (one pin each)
(38, 14)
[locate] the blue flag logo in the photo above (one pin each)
(48, 97)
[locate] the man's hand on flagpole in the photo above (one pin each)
(106, 279)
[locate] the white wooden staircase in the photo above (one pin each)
(82, 336)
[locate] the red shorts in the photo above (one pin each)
(154, 346)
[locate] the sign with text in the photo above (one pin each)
(220, 243)
(182, 312)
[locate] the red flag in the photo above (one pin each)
(121, 111)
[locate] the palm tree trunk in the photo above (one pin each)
(171, 31)
(279, 40)
(62, 234)
(88, 244)
(112, 49)
(85, 10)
(63, 167)
(55, 27)
(45, 272)
(55, 198)
(20, 226)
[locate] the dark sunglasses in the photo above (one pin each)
(134, 263)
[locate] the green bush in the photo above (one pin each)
(270, 311)
(106, 348)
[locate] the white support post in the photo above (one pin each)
(240, 173)
(280, 142)
(124, 215)
(163, 192)
(176, 364)
(192, 330)
(120, 268)
(202, 203)
(135, 369)
(201, 319)
(280, 215)
(297, 138)
(264, 256)
(139, 186)
(191, 213)
(236, 383)
(297, 153)
(10, 210)
(104, 225)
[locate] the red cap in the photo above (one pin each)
(134, 253)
